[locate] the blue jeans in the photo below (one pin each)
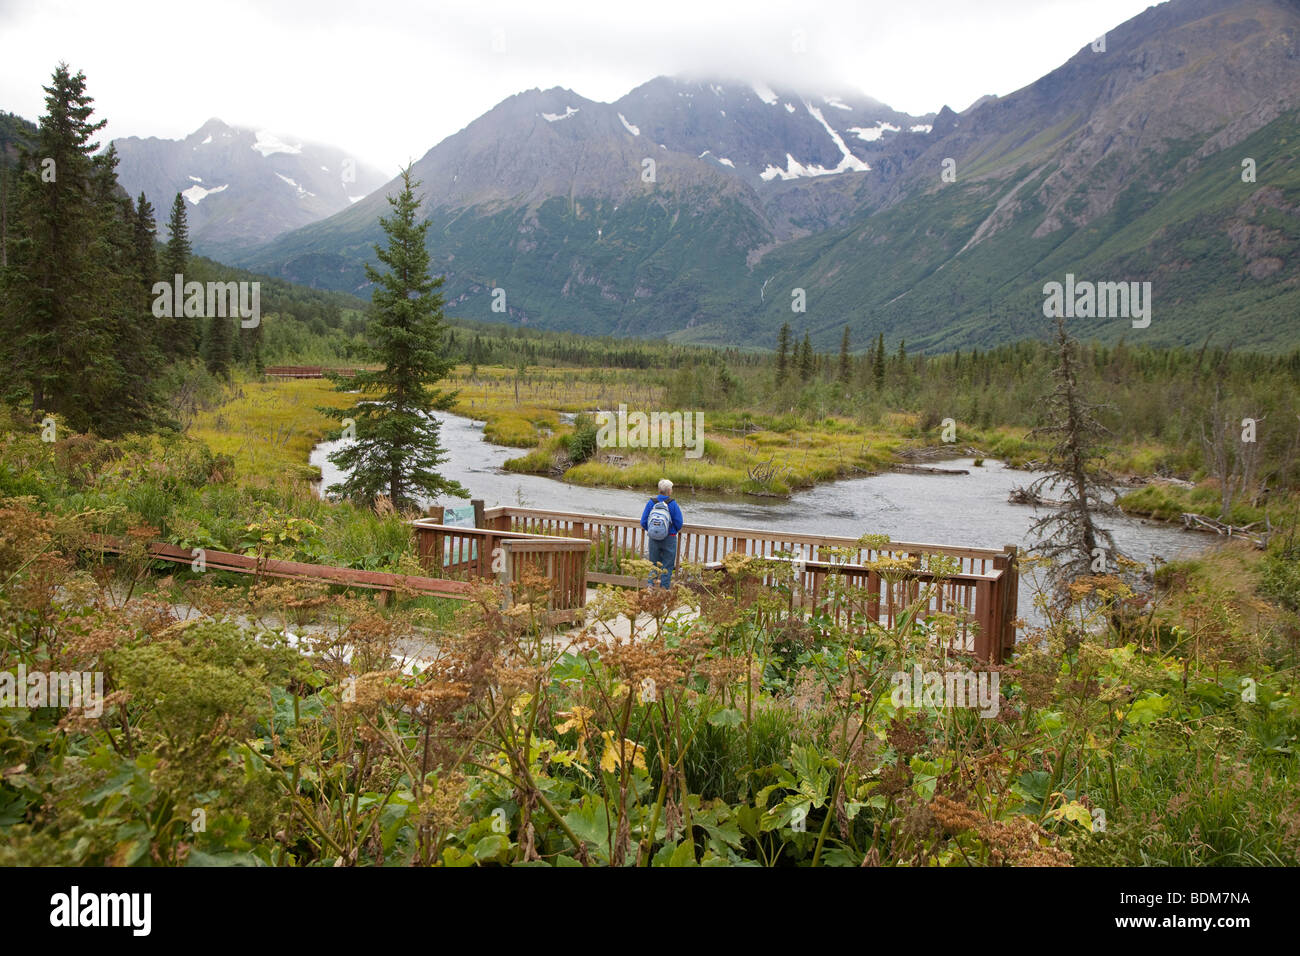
(664, 554)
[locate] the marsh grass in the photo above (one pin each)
(269, 428)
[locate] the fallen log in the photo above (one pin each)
(1024, 496)
(929, 470)
(1195, 522)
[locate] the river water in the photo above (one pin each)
(965, 510)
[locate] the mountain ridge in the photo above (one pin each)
(546, 195)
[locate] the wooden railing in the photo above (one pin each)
(290, 570)
(304, 371)
(465, 554)
(851, 594)
(982, 584)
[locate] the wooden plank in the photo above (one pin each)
(296, 570)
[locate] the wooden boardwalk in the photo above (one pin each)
(837, 576)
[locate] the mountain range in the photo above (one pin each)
(242, 187)
(712, 209)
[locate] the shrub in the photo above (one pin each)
(581, 442)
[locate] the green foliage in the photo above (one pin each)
(396, 447)
(76, 336)
(1280, 578)
(581, 442)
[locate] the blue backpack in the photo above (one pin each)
(659, 522)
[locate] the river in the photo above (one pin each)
(970, 510)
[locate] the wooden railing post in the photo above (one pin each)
(986, 640)
(1007, 600)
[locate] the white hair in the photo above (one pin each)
(665, 486)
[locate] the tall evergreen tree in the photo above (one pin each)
(878, 363)
(846, 367)
(54, 341)
(397, 448)
(144, 239)
(183, 336)
(783, 354)
(806, 361)
(123, 394)
(219, 345)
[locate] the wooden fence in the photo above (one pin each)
(293, 570)
(981, 588)
(304, 371)
(837, 575)
(464, 554)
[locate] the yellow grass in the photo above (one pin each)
(270, 428)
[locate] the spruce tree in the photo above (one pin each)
(144, 239)
(846, 368)
(123, 394)
(878, 363)
(783, 354)
(181, 335)
(74, 334)
(397, 448)
(219, 346)
(54, 342)
(806, 361)
(1069, 535)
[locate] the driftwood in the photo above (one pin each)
(1195, 522)
(928, 470)
(1024, 496)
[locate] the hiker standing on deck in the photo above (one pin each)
(661, 520)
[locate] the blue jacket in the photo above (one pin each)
(674, 512)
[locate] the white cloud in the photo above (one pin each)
(388, 85)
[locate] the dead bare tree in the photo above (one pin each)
(1231, 458)
(1069, 534)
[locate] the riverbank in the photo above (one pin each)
(270, 428)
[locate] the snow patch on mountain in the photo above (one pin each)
(634, 130)
(922, 128)
(556, 117)
(206, 141)
(847, 160)
(789, 107)
(764, 93)
(302, 191)
(870, 134)
(268, 143)
(195, 179)
(836, 102)
(196, 194)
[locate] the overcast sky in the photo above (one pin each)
(388, 80)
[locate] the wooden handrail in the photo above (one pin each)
(985, 583)
(295, 570)
(795, 537)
